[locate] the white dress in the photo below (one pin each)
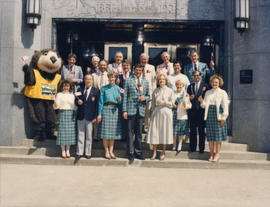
(161, 121)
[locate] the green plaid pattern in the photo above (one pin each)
(214, 132)
(110, 126)
(202, 67)
(180, 127)
(130, 103)
(66, 134)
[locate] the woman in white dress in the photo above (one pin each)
(161, 121)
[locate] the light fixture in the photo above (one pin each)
(241, 18)
(70, 40)
(33, 13)
(208, 40)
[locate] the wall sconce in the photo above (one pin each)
(33, 13)
(241, 18)
(70, 39)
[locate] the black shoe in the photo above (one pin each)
(77, 158)
(88, 157)
(191, 151)
(178, 151)
(140, 157)
(131, 158)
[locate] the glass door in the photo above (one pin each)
(111, 48)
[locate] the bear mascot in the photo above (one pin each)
(41, 79)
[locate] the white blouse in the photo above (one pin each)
(212, 96)
(216, 97)
(181, 110)
(65, 101)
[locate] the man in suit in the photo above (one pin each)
(100, 80)
(135, 98)
(117, 65)
(72, 71)
(87, 102)
(148, 74)
(196, 113)
(206, 73)
(125, 75)
(100, 77)
(166, 67)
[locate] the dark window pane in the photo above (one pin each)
(113, 50)
(182, 55)
(155, 55)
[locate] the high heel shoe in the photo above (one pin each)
(162, 157)
(153, 157)
(210, 159)
(107, 156)
(67, 155)
(216, 158)
(112, 156)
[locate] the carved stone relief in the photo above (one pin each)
(136, 9)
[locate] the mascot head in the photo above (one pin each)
(47, 61)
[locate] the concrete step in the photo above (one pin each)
(226, 146)
(167, 163)
(55, 152)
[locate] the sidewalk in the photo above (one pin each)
(83, 186)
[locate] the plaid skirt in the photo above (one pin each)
(214, 132)
(110, 126)
(180, 127)
(66, 134)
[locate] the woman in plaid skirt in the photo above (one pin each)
(216, 104)
(182, 103)
(109, 115)
(66, 134)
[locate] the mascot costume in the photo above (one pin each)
(41, 78)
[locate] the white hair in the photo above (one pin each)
(95, 58)
(145, 55)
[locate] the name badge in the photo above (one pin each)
(93, 98)
(72, 72)
(141, 88)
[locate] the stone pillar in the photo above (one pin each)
(250, 102)
(17, 40)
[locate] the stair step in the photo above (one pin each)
(167, 163)
(55, 152)
(122, 145)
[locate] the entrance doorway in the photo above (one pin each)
(132, 37)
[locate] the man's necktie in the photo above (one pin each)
(138, 83)
(85, 93)
(196, 88)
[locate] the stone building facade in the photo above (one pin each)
(250, 103)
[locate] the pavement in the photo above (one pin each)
(97, 186)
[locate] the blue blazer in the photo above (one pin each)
(122, 80)
(203, 68)
(89, 109)
(130, 101)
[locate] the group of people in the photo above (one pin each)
(112, 102)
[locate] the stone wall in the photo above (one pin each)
(250, 102)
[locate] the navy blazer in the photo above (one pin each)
(201, 92)
(89, 109)
(122, 80)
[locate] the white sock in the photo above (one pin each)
(63, 150)
(67, 150)
(180, 143)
